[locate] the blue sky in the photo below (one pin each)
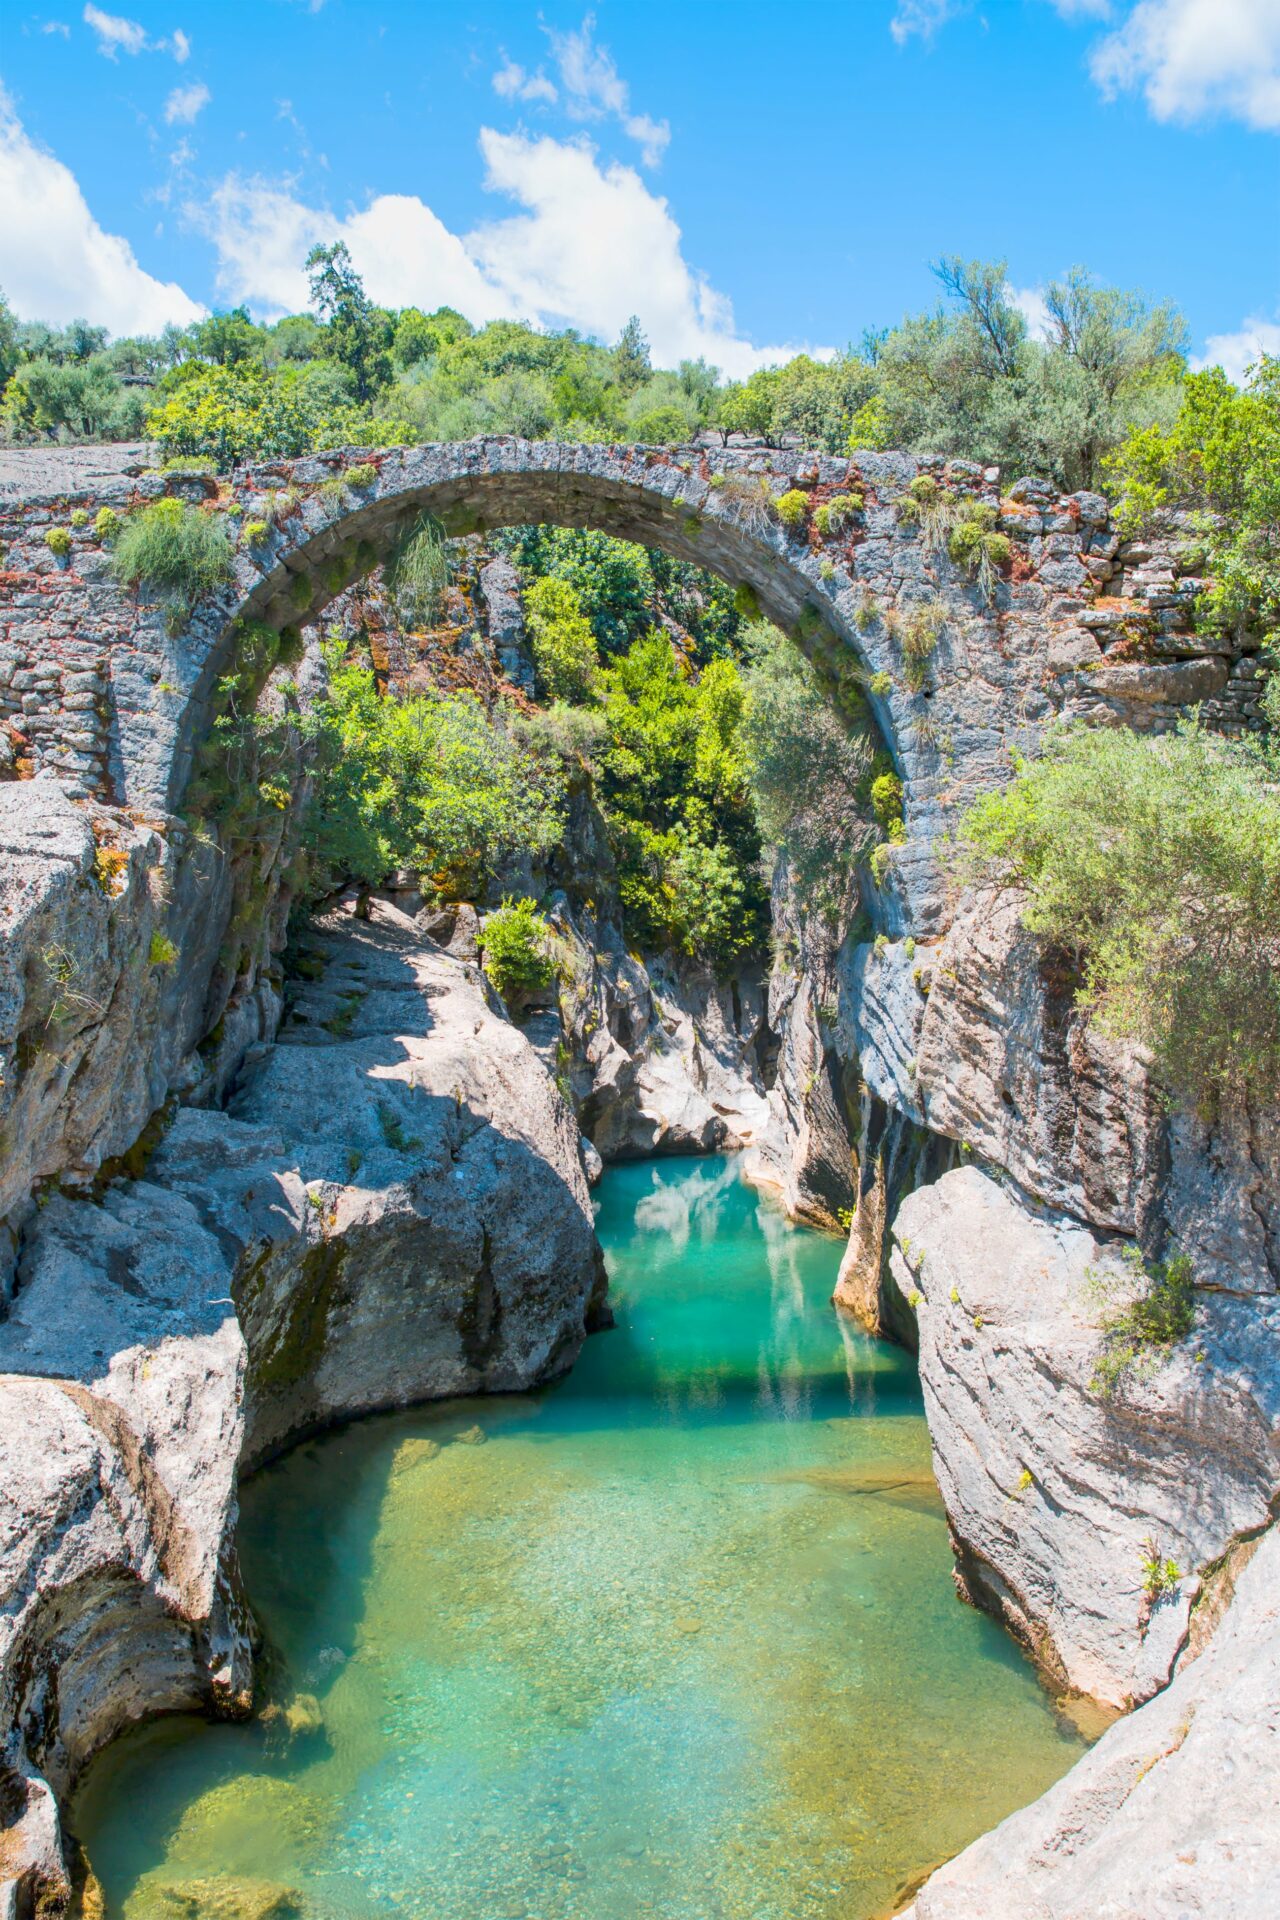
(747, 177)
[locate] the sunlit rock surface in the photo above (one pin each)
(1056, 1492)
(1172, 1816)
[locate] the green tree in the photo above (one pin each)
(357, 332)
(631, 356)
(564, 647)
(1157, 863)
(430, 783)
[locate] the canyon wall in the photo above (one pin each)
(207, 1222)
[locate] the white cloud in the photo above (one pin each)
(595, 90)
(923, 18)
(59, 27)
(1191, 59)
(1030, 303)
(185, 104)
(591, 246)
(56, 263)
(1235, 353)
(115, 35)
(511, 82)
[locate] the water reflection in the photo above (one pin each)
(676, 1642)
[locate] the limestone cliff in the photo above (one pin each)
(391, 1209)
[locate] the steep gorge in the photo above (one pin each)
(934, 1085)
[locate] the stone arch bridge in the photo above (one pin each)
(96, 693)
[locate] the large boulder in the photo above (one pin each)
(1056, 1491)
(1172, 1816)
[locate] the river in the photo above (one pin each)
(674, 1639)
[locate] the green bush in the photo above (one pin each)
(837, 512)
(79, 518)
(180, 552)
(886, 799)
(515, 949)
(107, 524)
(1219, 460)
(1155, 863)
(162, 951)
(1142, 1318)
(362, 476)
(256, 533)
(58, 541)
(792, 508)
(564, 646)
(430, 783)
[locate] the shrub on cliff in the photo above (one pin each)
(1219, 459)
(515, 949)
(180, 552)
(1157, 863)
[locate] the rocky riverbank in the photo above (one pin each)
(391, 1208)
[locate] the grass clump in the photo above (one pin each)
(919, 630)
(79, 518)
(837, 512)
(58, 541)
(180, 552)
(107, 524)
(418, 571)
(515, 949)
(1142, 1318)
(256, 533)
(163, 952)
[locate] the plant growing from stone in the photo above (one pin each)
(1160, 1573)
(1142, 1317)
(178, 551)
(835, 514)
(792, 508)
(418, 571)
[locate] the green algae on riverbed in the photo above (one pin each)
(678, 1640)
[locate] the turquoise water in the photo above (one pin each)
(675, 1638)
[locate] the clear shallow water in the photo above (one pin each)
(678, 1639)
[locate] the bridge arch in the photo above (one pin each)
(344, 513)
(1000, 663)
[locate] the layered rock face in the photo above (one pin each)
(1171, 1815)
(659, 1059)
(392, 1209)
(1058, 1492)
